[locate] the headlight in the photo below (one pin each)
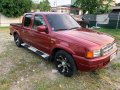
(97, 53)
(93, 54)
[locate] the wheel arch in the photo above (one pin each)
(16, 32)
(56, 49)
(71, 62)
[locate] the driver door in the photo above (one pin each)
(41, 40)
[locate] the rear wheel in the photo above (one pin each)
(17, 40)
(65, 63)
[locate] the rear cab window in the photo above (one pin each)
(27, 20)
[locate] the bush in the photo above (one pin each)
(15, 8)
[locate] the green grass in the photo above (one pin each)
(113, 32)
(2, 28)
(116, 66)
(4, 84)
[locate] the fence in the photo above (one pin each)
(111, 20)
(5, 21)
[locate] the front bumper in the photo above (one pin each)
(84, 64)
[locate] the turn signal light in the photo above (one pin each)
(89, 54)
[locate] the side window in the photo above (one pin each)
(38, 21)
(27, 20)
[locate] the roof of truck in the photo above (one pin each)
(43, 13)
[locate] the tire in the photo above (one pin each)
(65, 63)
(17, 40)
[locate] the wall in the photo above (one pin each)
(63, 10)
(5, 21)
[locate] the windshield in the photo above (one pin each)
(62, 22)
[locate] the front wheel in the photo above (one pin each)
(65, 63)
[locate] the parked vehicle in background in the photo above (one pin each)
(81, 21)
(58, 37)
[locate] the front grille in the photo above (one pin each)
(107, 49)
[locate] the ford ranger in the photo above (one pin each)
(58, 37)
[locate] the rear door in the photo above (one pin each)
(25, 32)
(41, 40)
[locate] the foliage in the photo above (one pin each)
(35, 7)
(44, 5)
(104, 8)
(113, 32)
(93, 6)
(15, 8)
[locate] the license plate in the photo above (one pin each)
(112, 56)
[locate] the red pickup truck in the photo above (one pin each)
(58, 37)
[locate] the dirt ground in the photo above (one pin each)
(21, 69)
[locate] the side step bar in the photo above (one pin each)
(42, 54)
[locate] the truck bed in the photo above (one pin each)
(15, 26)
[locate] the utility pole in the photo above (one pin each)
(118, 21)
(55, 3)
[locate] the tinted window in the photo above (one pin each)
(38, 21)
(62, 22)
(27, 20)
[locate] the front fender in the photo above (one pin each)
(63, 47)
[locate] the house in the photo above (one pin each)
(69, 9)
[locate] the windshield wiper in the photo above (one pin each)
(66, 29)
(60, 29)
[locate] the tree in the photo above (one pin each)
(44, 5)
(15, 8)
(104, 6)
(93, 6)
(35, 6)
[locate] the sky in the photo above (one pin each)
(56, 2)
(117, 1)
(61, 2)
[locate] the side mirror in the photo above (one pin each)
(42, 28)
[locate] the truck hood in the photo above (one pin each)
(87, 35)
